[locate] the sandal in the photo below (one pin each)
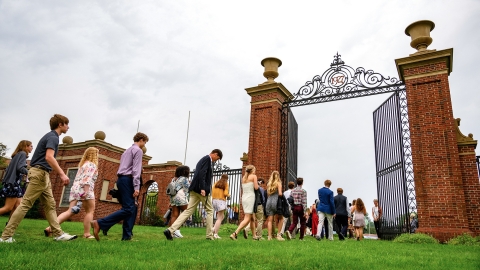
(233, 236)
(48, 232)
(89, 237)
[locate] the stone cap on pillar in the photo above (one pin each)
(419, 31)
(281, 93)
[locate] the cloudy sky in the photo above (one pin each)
(108, 64)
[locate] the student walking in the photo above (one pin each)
(82, 190)
(128, 184)
(359, 212)
(299, 209)
(341, 208)
(179, 202)
(274, 190)
(14, 177)
(43, 161)
(377, 215)
(219, 197)
(325, 209)
(199, 192)
(249, 185)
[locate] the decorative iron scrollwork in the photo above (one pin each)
(341, 81)
(217, 166)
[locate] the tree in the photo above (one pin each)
(3, 154)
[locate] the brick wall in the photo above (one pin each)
(440, 194)
(471, 184)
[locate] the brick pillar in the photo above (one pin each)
(471, 184)
(265, 121)
(439, 187)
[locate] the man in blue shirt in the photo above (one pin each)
(325, 209)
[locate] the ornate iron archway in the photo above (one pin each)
(341, 82)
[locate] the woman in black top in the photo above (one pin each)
(13, 186)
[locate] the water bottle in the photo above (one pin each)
(77, 207)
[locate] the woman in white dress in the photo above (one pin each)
(249, 185)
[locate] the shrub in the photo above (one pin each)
(417, 238)
(465, 239)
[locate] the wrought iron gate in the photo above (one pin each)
(149, 205)
(478, 165)
(395, 184)
(393, 166)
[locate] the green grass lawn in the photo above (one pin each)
(150, 250)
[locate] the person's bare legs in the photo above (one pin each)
(89, 209)
(176, 212)
(64, 216)
(244, 223)
(360, 231)
(280, 225)
(10, 205)
(220, 215)
(269, 226)
(253, 222)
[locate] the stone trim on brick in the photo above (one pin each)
(423, 60)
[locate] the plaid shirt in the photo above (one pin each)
(300, 197)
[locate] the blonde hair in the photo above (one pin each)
(248, 170)
(91, 154)
(272, 185)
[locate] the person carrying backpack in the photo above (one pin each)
(177, 190)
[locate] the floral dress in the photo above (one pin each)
(86, 175)
(15, 187)
(182, 197)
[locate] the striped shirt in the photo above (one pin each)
(300, 197)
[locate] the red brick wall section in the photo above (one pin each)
(162, 176)
(471, 186)
(437, 169)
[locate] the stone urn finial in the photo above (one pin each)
(144, 149)
(420, 33)
(100, 135)
(271, 65)
(67, 140)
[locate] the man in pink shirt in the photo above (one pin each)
(128, 185)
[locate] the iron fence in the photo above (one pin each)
(198, 219)
(478, 165)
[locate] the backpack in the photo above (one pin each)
(171, 190)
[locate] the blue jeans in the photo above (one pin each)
(128, 213)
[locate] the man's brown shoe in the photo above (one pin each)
(96, 229)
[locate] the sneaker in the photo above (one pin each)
(168, 234)
(9, 240)
(280, 238)
(177, 234)
(216, 236)
(289, 235)
(65, 237)
(318, 237)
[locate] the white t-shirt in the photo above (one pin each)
(287, 194)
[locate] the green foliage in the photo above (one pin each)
(465, 239)
(3, 154)
(416, 238)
